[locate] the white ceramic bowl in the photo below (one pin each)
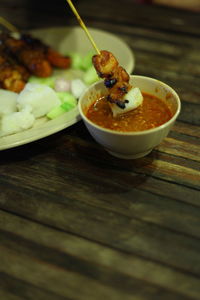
(131, 145)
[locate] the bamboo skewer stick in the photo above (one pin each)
(8, 25)
(83, 25)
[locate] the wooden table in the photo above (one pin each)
(77, 223)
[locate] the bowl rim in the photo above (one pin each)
(131, 133)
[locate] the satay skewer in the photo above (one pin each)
(83, 25)
(8, 25)
(107, 66)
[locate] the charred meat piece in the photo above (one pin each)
(24, 56)
(13, 76)
(32, 57)
(105, 64)
(116, 77)
(53, 57)
(35, 62)
(58, 60)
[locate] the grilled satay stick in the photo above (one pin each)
(13, 77)
(53, 57)
(35, 45)
(122, 97)
(37, 57)
(116, 77)
(32, 58)
(20, 57)
(107, 66)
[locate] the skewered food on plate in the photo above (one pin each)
(24, 56)
(13, 76)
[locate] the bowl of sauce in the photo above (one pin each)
(135, 133)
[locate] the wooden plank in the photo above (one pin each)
(166, 50)
(17, 289)
(152, 16)
(168, 70)
(138, 32)
(160, 18)
(128, 233)
(159, 36)
(27, 15)
(180, 148)
(190, 114)
(9, 296)
(71, 284)
(161, 166)
(168, 190)
(187, 129)
(172, 172)
(116, 181)
(109, 259)
(57, 280)
(157, 200)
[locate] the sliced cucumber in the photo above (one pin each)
(67, 97)
(76, 61)
(87, 61)
(90, 76)
(55, 112)
(49, 81)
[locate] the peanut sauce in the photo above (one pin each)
(151, 113)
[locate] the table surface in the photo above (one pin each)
(77, 223)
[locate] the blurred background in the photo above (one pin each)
(37, 13)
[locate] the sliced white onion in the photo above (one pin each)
(78, 87)
(62, 85)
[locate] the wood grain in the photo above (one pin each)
(75, 248)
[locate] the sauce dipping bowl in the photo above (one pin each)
(134, 144)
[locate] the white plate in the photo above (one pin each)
(67, 40)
